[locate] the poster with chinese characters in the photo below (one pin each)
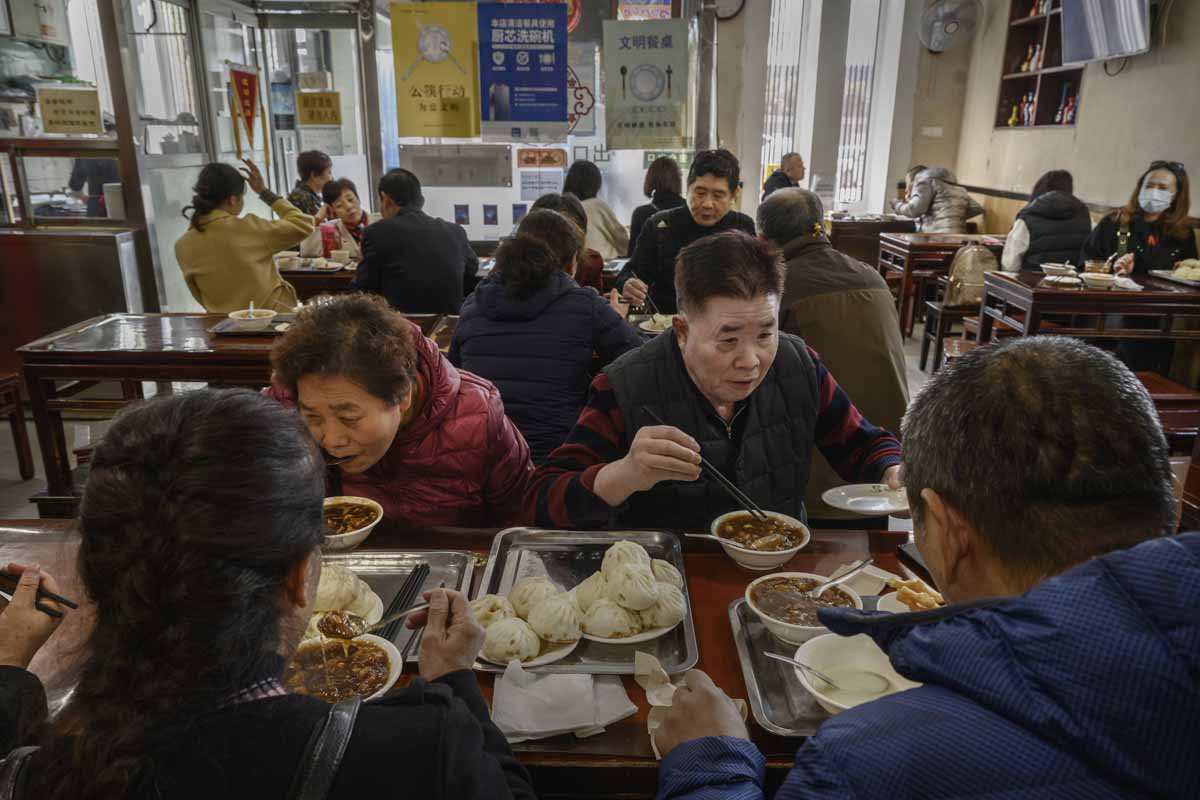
(646, 73)
(319, 108)
(523, 71)
(435, 51)
(70, 110)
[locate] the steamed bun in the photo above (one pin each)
(665, 572)
(624, 552)
(492, 608)
(631, 586)
(342, 590)
(556, 620)
(510, 638)
(591, 590)
(528, 592)
(668, 610)
(608, 620)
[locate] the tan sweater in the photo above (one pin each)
(605, 233)
(229, 261)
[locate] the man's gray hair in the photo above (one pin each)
(788, 214)
(1049, 447)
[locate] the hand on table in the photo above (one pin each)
(253, 176)
(24, 628)
(636, 290)
(452, 637)
(1123, 265)
(699, 709)
(658, 453)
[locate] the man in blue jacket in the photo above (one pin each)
(1067, 666)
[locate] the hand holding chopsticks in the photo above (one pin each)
(33, 613)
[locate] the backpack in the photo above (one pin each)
(966, 275)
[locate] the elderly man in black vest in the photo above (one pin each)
(727, 384)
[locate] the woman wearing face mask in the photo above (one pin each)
(1151, 230)
(348, 216)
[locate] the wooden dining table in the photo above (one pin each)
(858, 236)
(617, 763)
(129, 349)
(310, 283)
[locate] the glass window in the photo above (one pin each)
(74, 187)
(226, 40)
(784, 44)
(858, 93)
(10, 204)
(167, 102)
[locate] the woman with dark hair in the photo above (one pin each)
(200, 550)
(227, 259)
(315, 170)
(589, 266)
(1151, 231)
(605, 233)
(428, 442)
(1050, 228)
(532, 331)
(664, 186)
(349, 220)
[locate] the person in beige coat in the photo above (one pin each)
(843, 309)
(605, 233)
(228, 260)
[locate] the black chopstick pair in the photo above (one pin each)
(9, 581)
(409, 592)
(729, 486)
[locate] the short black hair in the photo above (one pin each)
(727, 264)
(403, 187)
(788, 214)
(566, 204)
(718, 163)
(583, 180)
(663, 175)
(1056, 180)
(312, 162)
(1049, 447)
(331, 191)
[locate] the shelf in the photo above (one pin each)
(1016, 23)
(1012, 76)
(1016, 76)
(1030, 127)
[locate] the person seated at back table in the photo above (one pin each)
(200, 549)
(844, 310)
(663, 184)
(535, 333)
(589, 265)
(427, 441)
(1151, 231)
(788, 176)
(713, 187)
(418, 262)
(1068, 663)
(1050, 228)
(605, 233)
(937, 201)
(315, 170)
(349, 219)
(726, 384)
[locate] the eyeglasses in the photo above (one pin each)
(1173, 166)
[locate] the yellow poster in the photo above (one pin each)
(434, 48)
(319, 108)
(70, 110)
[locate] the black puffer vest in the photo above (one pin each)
(1058, 224)
(772, 458)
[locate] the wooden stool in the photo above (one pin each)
(957, 348)
(939, 320)
(10, 406)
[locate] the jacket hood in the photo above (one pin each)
(440, 381)
(937, 174)
(497, 302)
(1055, 205)
(1102, 661)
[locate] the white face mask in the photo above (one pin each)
(1155, 201)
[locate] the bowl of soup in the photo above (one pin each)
(338, 669)
(861, 671)
(349, 520)
(759, 544)
(779, 601)
(252, 319)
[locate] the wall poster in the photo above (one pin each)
(523, 71)
(434, 49)
(647, 88)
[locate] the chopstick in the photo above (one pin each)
(9, 580)
(407, 595)
(737, 494)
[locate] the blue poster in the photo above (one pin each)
(523, 71)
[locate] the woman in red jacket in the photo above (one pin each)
(427, 441)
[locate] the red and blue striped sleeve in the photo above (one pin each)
(859, 451)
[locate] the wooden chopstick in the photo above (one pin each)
(729, 486)
(12, 579)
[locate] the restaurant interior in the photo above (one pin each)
(678, 398)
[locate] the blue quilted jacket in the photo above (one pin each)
(1087, 687)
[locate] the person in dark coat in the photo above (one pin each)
(789, 175)
(315, 169)
(1068, 662)
(88, 176)
(418, 262)
(200, 555)
(663, 184)
(1051, 228)
(533, 332)
(714, 184)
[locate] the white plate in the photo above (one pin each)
(644, 636)
(1063, 280)
(890, 604)
(550, 653)
(869, 499)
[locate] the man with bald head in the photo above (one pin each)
(789, 174)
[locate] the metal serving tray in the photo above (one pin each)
(567, 557)
(385, 571)
(1168, 275)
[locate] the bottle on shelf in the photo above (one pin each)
(1033, 8)
(1012, 120)
(1062, 104)
(1069, 113)
(1036, 63)
(1025, 65)
(1030, 108)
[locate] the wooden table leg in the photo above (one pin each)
(21, 438)
(985, 321)
(906, 302)
(52, 439)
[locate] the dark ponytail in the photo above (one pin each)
(217, 183)
(198, 508)
(545, 243)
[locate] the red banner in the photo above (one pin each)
(245, 95)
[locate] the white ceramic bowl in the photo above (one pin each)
(289, 261)
(340, 256)
(255, 320)
(1058, 269)
(890, 604)
(760, 560)
(795, 634)
(1098, 280)
(832, 653)
(348, 541)
(395, 661)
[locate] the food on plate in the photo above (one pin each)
(1188, 269)
(608, 620)
(349, 517)
(341, 590)
(528, 592)
(492, 608)
(556, 619)
(631, 586)
(668, 610)
(510, 639)
(783, 599)
(337, 669)
(592, 589)
(916, 594)
(665, 572)
(624, 552)
(658, 323)
(768, 534)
